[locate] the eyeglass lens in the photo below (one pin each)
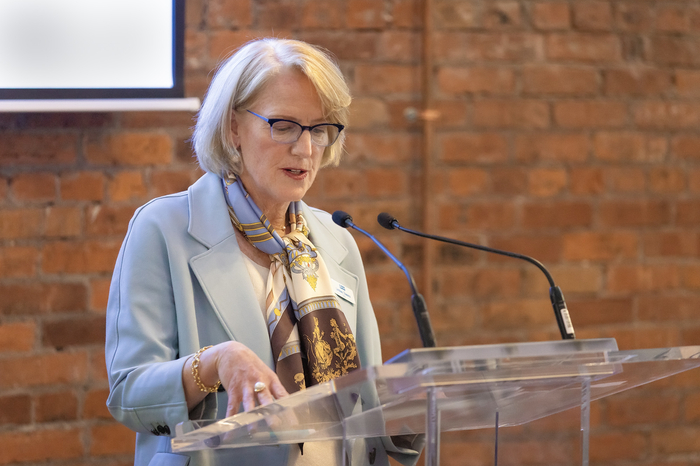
(289, 131)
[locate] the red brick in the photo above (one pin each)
(15, 409)
(476, 80)
(674, 50)
(99, 294)
(63, 221)
(692, 407)
(384, 148)
(644, 409)
(34, 187)
(546, 182)
(688, 213)
(73, 257)
(552, 147)
(694, 180)
(626, 180)
(551, 15)
(452, 318)
(463, 182)
(637, 278)
(690, 276)
(481, 216)
(635, 213)
(104, 220)
(323, 15)
(686, 147)
(21, 223)
(502, 15)
(676, 440)
(18, 261)
(480, 283)
(386, 79)
(342, 183)
(345, 45)
(583, 47)
(590, 114)
(55, 445)
(364, 14)
(671, 244)
(667, 180)
(633, 16)
(467, 47)
(667, 115)
(508, 181)
(18, 336)
(128, 148)
(545, 248)
(511, 114)
(456, 15)
(595, 311)
(637, 338)
(663, 307)
(46, 369)
(597, 246)
(593, 16)
(518, 314)
(557, 215)
(223, 14)
(171, 181)
(587, 180)
(95, 406)
(559, 80)
(4, 188)
(407, 13)
(55, 407)
(399, 46)
(38, 149)
(222, 43)
(80, 331)
(688, 83)
(637, 81)
(671, 18)
(618, 446)
(627, 146)
(386, 182)
(42, 298)
(82, 186)
(98, 366)
(481, 148)
(369, 113)
(127, 186)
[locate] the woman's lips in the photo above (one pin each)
(296, 173)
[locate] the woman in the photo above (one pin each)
(233, 283)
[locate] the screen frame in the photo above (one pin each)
(176, 91)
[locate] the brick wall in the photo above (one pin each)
(568, 130)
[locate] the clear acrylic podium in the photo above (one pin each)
(433, 390)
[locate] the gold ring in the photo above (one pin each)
(259, 386)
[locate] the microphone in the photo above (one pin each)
(566, 327)
(420, 310)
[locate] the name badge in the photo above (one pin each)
(343, 292)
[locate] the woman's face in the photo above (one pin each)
(276, 174)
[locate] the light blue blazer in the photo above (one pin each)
(180, 283)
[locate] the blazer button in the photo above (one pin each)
(167, 429)
(154, 431)
(372, 455)
(161, 429)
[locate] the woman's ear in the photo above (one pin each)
(235, 138)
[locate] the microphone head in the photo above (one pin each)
(342, 219)
(387, 221)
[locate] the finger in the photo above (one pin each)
(277, 389)
(233, 402)
(248, 399)
(265, 397)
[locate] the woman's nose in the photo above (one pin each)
(303, 146)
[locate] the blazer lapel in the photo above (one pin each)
(221, 270)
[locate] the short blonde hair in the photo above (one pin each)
(240, 79)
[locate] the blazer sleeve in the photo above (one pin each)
(142, 357)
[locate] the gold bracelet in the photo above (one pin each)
(195, 373)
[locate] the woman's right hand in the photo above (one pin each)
(239, 369)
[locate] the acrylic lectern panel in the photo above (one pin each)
(520, 382)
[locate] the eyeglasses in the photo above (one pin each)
(287, 132)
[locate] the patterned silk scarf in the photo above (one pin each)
(310, 337)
